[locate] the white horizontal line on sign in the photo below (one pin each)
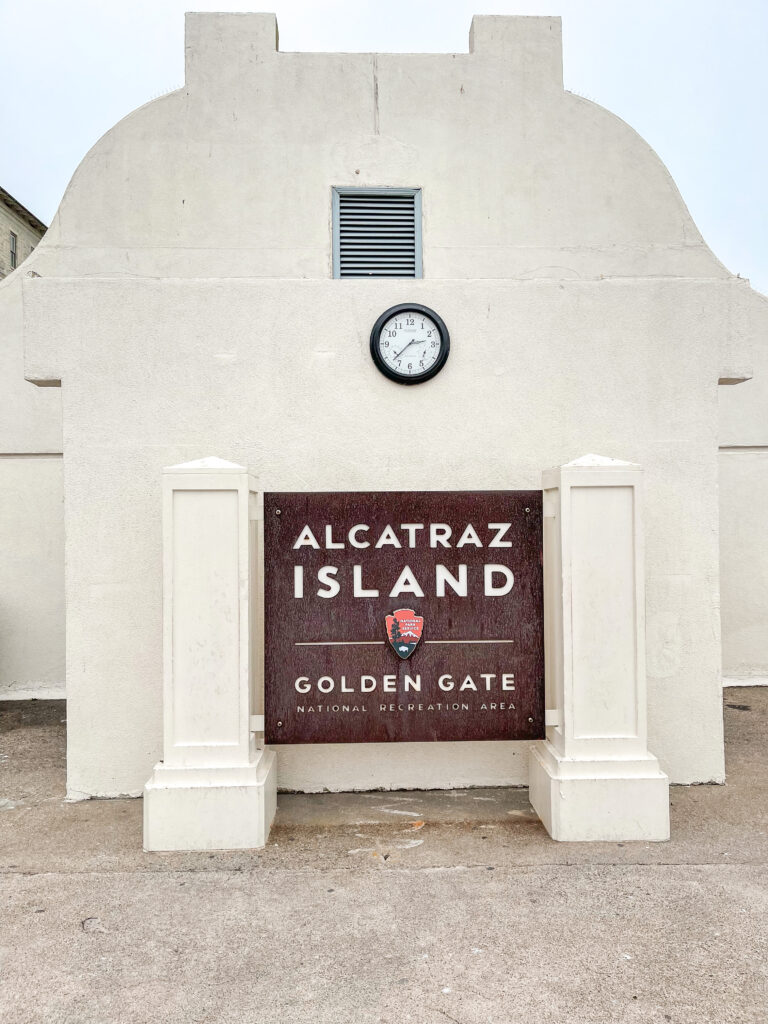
(380, 643)
(338, 643)
(469, 641)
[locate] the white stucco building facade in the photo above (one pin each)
(185, 302)
(743, 531)
(31, 485)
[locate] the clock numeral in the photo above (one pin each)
(410, 322)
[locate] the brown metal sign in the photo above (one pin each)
(403, 616)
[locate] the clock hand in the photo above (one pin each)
(411, 342)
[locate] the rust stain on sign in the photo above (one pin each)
(403, 616)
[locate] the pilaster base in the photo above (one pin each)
(211, 808)
(599, 801)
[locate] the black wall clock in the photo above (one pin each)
(409, 343)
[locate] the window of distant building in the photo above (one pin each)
(14, 251)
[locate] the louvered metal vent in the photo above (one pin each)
(377, 232)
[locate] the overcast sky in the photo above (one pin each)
(690, 75)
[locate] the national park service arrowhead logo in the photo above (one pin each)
(404, 631)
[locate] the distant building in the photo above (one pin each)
(20, 231)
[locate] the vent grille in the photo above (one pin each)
(376, 233)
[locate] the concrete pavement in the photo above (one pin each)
(382, 907)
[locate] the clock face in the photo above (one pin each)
(409, 343)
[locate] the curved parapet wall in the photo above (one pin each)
(229, 176)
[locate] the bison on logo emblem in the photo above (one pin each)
(404, 631)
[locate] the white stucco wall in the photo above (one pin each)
(743, 517)
(186, 304)
(31, 582)
(744, 561)
(196, 367)
(31, 518)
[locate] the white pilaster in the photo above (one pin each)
(214, 789)
(593, 777)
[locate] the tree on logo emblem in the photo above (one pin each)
(394, 631)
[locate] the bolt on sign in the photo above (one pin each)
(403, 616)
